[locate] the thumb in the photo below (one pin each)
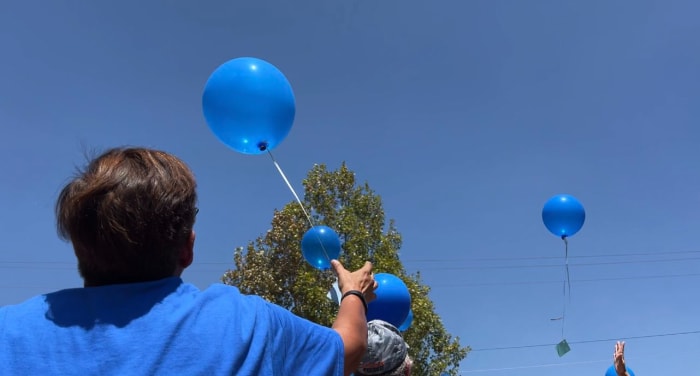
(337, 266)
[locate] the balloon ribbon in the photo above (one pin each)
(567, 282)
(308, 217)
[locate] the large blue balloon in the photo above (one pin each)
(249, 105)
(393, 300)
(611, 371)
(407, 323)
(319, 246)
(563, 215)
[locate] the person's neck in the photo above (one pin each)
(88, 283)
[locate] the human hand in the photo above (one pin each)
(361, 280)
(619, 358)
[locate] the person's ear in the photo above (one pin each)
(187, 253)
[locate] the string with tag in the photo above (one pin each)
(563, 347)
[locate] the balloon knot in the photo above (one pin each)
(262, 146)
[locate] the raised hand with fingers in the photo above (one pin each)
(357, 289)
(361, 280)
(619, 359)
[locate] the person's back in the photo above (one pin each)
(129, 216)
(172, 328)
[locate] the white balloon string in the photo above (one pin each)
(567, 283)
(563, 313)
(308, 217)
(566, 261)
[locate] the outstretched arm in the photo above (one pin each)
(351, 322)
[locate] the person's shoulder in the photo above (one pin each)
(231, 295)
(21, 314)
(26, 305)
(216, 290)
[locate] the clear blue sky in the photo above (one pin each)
(465, 116)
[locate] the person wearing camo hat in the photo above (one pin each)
(387, 352)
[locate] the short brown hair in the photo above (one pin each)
(128, 214)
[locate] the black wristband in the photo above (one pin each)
(359, 295)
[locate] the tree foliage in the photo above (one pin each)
(273, 267)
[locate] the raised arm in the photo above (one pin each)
(619, 359)
(357, 289)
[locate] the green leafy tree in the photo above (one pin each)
(273, 267)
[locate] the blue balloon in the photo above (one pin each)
(249, 105)
(393, 300)
(407, 323)
(611, 371)
(319, 246)
(563, 215)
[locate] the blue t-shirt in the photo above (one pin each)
(165, 327)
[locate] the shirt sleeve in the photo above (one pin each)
(310, 349)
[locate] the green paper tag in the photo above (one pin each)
(563, 348)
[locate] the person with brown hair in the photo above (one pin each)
(130, 216)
